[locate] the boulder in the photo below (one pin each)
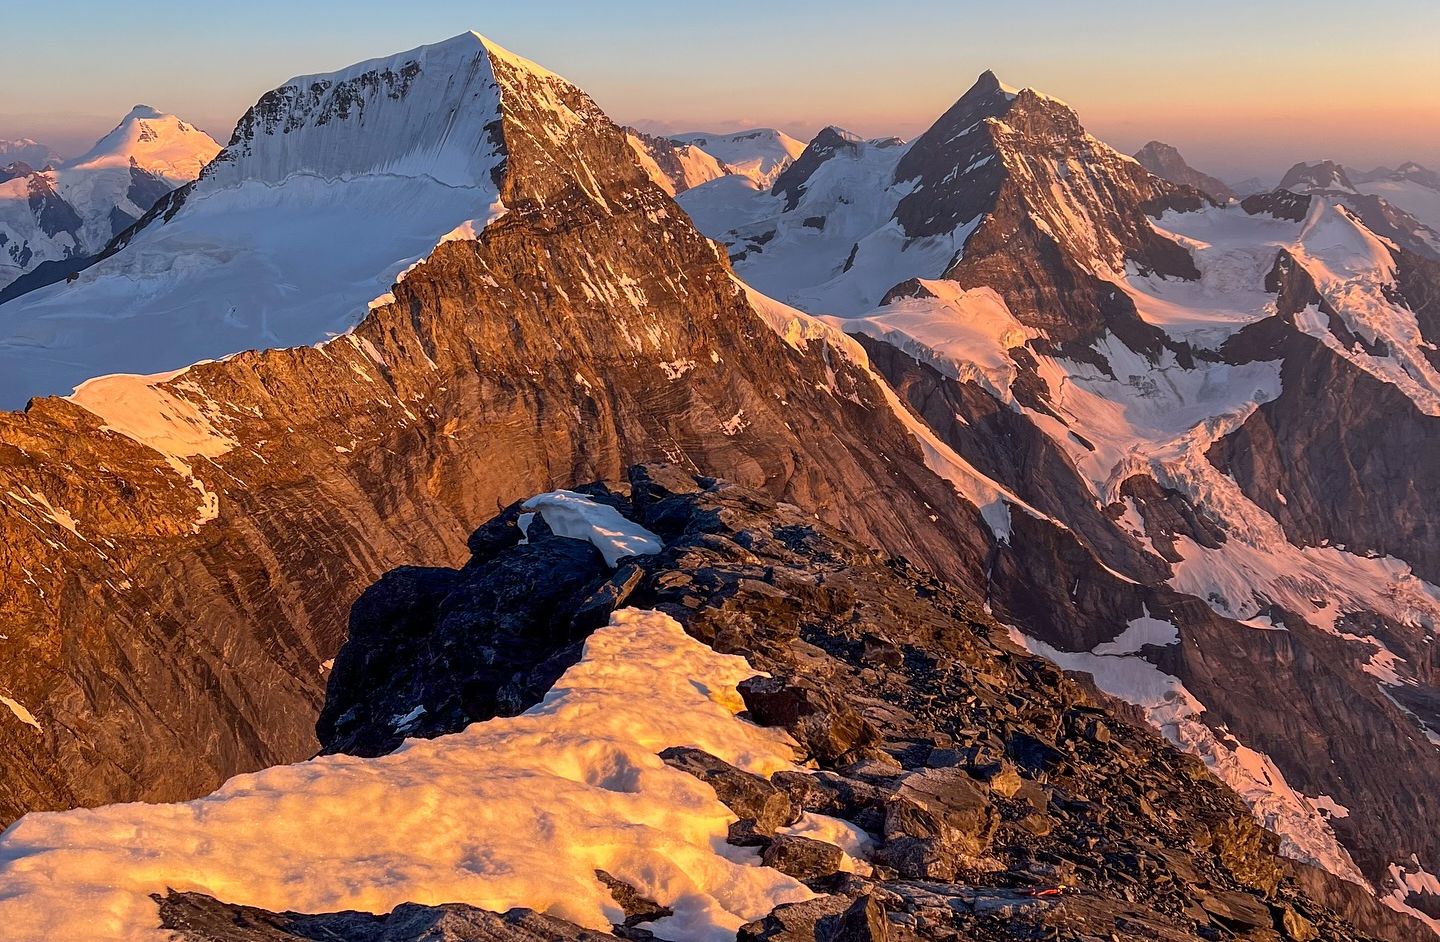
(801, 857)
(744, 793)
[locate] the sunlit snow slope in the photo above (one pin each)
(515, 811)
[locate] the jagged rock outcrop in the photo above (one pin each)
(1164, 160)
(195, 917)
(1002, 799)
(1065, 207)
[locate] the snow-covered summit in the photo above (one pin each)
(332, 186)
(426, 112)
(152, 140)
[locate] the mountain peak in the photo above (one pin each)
(426, 110)
(142, 111)
(1323, 175)
(1164, 160)
(152, 140)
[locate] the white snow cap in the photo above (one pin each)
(153, 140)
(426, 111)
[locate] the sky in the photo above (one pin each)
(1242, 88)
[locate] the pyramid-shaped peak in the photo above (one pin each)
(988, 86)
(143, 111)
(429, 110)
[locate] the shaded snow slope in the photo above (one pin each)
(517, 811)
(837, 249)
(331, 187)
(1414, 197)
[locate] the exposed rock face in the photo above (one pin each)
(195, 917)
(169, 615)
(1003, 800)
(1065, 207)
(1339, 456)
(1321, 175)
(1163, 160)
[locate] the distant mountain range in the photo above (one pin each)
(54, 210)
(990, 535)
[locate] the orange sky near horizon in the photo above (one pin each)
(1240, 87)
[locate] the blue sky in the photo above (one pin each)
(1240, 87)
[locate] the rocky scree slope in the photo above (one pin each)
(179, 553)
(1000, 799)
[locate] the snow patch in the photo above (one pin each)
(577, 517)
(514, 811)
(21, 714)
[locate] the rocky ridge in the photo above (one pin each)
(1002, 799)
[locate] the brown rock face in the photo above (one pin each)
(1356, 461)
(1055, 205)
(588, 328)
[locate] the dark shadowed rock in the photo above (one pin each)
(801, 857)
(194, 917)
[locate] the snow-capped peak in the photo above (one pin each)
(151, 140)
(332, 186)
(428, 111)
(759, 154)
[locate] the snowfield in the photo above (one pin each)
(758, 155)
(516, 811)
